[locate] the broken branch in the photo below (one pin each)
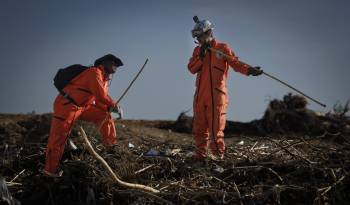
(109, 169)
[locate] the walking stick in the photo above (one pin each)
(271, 76)
(124, 93)
(132, 82)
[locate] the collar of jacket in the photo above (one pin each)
(213, 42)
(104, 73)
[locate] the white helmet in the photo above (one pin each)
(201, 27)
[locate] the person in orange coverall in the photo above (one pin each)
(211, 97)
(88, 101)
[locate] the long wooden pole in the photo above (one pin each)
(124, 93)
(272, 77)
(132, 82)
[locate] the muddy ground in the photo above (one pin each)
(271, 168)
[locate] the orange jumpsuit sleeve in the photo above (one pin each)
(195, 63)
(233, 61)
(96, 86)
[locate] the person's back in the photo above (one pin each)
(90, 85)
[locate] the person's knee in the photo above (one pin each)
(104, 118)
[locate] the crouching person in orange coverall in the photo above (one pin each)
(210, 99)
(85, 98)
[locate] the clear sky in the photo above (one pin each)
(305, 43)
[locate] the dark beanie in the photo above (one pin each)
(108, 58)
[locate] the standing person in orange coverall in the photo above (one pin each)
(84, 98)
(211, 99)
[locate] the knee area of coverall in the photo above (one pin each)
(200, 121)
(217, 145)
(59, 130)
(108, 132)
(95, 115)
(220, 118)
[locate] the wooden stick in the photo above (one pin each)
(132, 82)
(272, 77)
(290, 153)
(17, 175)
(284, 147)
(143, 169)
(109, 169)
(332, 186)
(259, 166)
(251, 149)
(124, 93)
(13, 184)
(293, 88)
(238, 193)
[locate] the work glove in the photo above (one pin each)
(118, 110)
(255, 71)
(203, 50)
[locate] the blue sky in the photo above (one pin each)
(305, 43)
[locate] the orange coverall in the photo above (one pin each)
(89, 90)
(211, 99)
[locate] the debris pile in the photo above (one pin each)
(286, 170)
(291, 115)
(287, 116)
(287, 167)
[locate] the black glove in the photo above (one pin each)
(255, 71)
(203, 50)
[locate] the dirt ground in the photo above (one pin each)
(269, 169)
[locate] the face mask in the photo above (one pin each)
(110, 68)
